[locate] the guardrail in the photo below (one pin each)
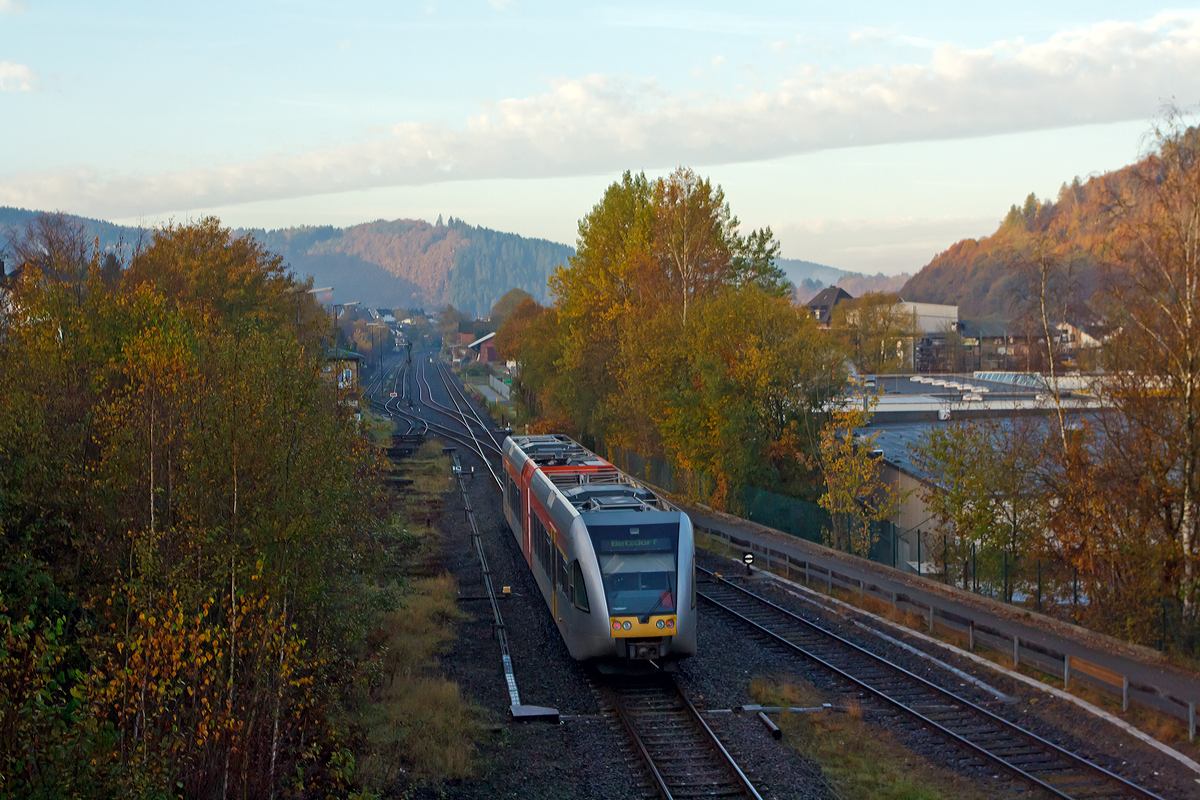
(971, 632)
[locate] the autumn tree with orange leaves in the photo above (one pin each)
(673, 333)
(187, 518)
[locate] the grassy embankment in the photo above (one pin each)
(418, 726)
(1164, 728)
(858, 759)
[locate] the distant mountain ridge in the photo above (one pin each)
(109, 234)
(810, 278)
(394, 264)
(405, 262)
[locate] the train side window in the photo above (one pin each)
(544, 548)
(514, 499)
(579, 596)
(562, 570)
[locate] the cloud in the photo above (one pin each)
(598, 124)
(890, 246)
(500, 5)
(719, 61)
(11, 7)
(18, 78)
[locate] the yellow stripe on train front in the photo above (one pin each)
(626, 627)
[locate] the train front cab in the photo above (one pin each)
(642, 569)
(619, 584)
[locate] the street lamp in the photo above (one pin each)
(375, 326)
(337, 314)
(302, 290)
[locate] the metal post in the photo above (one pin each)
(1075, 613)
(945, 558)
(931, 617)
(1124, 693)
(974, 567)
(1016, 650)
(806, 572)
(1006, 577)
(971, 635)
(1191, 721)
(860, 587)
(918, 552)
(1162, 636)
(1066, 670)
(1039, 568)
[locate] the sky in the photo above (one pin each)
(869, 136)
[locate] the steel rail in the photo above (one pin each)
(734, 776)
(714, 744)
(432, 428)
(477, 446)
(457, 412)
(660, 784)
(392, 406)
(453, 413)
(720, 748)
(1071, 758)
(453, 389)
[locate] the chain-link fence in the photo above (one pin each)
(797, 517)
(1040, 585)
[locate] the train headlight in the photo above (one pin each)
(661, 624)
(627, 625)
(616, 626)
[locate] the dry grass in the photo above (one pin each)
(379, 429)
(414, 540)
(420, 725)
(1163, 727)
(858, 760)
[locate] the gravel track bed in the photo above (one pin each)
(587, 755)
(1062, 723)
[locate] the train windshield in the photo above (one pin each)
(638, 567)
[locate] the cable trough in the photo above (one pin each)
(518, 710)
(988, 738)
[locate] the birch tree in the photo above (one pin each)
(1156, 357)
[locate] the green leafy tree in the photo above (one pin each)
(984, 489)
(187, 521)
(856, 496)
(876, 332)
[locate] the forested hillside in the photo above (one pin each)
(989, 278)
(110, 235)
(402, 263)
(413, 263)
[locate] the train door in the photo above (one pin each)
(527, 473)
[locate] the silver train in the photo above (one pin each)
(614, 561)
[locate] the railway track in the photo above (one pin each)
(986, 738)
(465, 426)
(684, 757)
